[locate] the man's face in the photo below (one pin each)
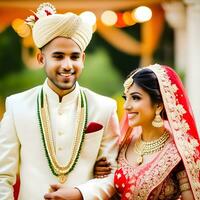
(63, 63)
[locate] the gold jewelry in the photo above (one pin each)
(145, 148)
(127, 84)
(58, 169)
(184, 187)
(158, 121)
(129, 81)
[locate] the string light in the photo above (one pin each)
(109, 17)
(128, 19)
(89, 17)
(120, 21)
(142, 14)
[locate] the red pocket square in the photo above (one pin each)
(93, 127)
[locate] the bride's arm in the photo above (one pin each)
(184, 185)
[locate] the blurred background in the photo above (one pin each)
(127, 34)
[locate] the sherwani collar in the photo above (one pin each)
(54, 98)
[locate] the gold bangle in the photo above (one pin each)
(184, 187)
(181, 175)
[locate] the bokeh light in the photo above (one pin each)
(128, 19)
(142, 14)
(109, 17)
(88, 17)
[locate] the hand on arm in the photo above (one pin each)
(60, 192)
(102, 168)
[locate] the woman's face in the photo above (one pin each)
(139, 107)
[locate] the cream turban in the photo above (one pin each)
(65, 25)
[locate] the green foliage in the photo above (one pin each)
(10, 52)
(20, 81)
(123, 63)
(100, 75)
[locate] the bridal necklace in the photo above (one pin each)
(145, 148)
(59, 170)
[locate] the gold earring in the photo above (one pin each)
(158, 121)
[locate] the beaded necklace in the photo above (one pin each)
(58, 169)
(145, 148)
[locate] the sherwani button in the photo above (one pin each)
(60, 133)
(60, 148)
(60, 112)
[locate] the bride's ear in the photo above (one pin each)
(159, 107)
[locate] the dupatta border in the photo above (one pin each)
(186, 144)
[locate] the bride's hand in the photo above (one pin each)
(102, 168)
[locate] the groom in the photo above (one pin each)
(54, 133)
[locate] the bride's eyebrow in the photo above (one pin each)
(135, 93)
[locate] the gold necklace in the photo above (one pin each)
(145, 148)
(58, 169)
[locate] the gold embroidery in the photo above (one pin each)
(158, 170)
(187, 144)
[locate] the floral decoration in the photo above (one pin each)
(45, 9)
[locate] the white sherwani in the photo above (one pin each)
(21, 146)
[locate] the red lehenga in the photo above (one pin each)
(157, 180)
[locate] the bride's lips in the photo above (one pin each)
(131, 115)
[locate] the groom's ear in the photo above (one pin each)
(40, 58)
